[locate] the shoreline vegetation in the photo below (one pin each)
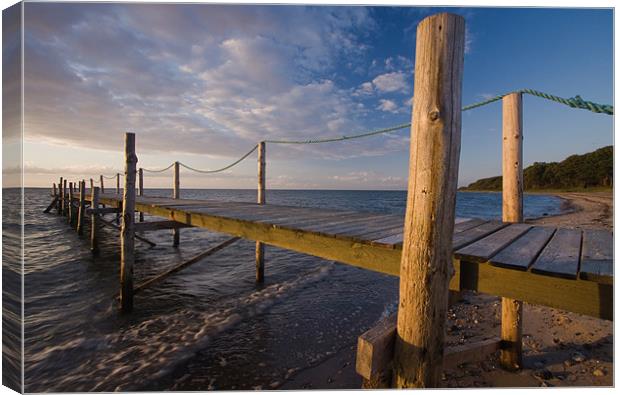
(560, 348)
(577, 173)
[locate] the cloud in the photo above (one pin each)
(387, 106)
(390, 82)
(190, 78)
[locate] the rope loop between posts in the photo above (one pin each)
(223, 168)
(158, 171)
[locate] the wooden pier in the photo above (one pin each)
(570, 269)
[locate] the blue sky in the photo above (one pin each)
(204, 83)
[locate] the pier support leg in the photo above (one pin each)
(141, 189)
(426, 263)
(260, 247)
(101, 183)
(70, 213)
(128, 226)
(94, 226)
(64, 197)
(82, 208)
(512, 211)
(60, 197)
(176, 194)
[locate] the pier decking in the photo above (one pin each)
(570, 269)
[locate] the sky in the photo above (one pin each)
(203, 84)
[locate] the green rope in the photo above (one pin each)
(223, 168)
(573, 102)
(158, 171)
(331, 139)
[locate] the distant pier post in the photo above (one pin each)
(127, 226)
(101, 183)
(176, 194)
(60, 197)
(512, 211)
(92, 185)
(260, 247)
(141, 189)
(65, 208)
(94, 226)
(426, 263)
(82, 208)
(118, 183)
(70, 206)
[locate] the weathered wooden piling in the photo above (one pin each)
(94, 226)
(141, 189)
(118, 183)
(54, 189)
(101, 183)
(92, 184)
(260, 247)
(127, 226)
(64, 197)
(426, 262)
(176, 194)
(512, 211)
(60, 197)
(81, 208)
(70, 214)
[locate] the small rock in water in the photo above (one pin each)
(578, 357)
(599, 372)
(275, 384)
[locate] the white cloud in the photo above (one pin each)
(387, 106)
(390, 82)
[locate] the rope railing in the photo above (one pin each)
(158, 171)
(109, 177)
(223, 168)
(573, 102)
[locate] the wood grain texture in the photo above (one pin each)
(483, 249)
(127, 225)
(474, 234)
(512, 158)
(561, 255)
(102, 190)
(425, 269)
(597, 256)
(522, 252)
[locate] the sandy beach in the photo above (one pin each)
(559, 348)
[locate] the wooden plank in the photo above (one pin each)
(184, 265)
(476, 233)
(51, 205)
(137, 237)
(465, 225)
(483, 249)
(375, 351)
(158, 225)
(561, 255)
(102, 211)
(597, 257)
(522, 252)
(342, 225)
(582, 297)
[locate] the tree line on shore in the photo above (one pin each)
(591, 170)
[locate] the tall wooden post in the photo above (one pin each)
(92, 185)
(118, 183)
(60, 197)
(512, 211)
(260, 247)
(101, 183)
(70, 205)
(176, 194)
(94, 226)
(426, 263)
(141, 189)
(64, 197)
(82, 208)
(127, 227)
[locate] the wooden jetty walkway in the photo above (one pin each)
(570, 269)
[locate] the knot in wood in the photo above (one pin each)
(433, 115)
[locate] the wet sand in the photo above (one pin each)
(559, 348)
